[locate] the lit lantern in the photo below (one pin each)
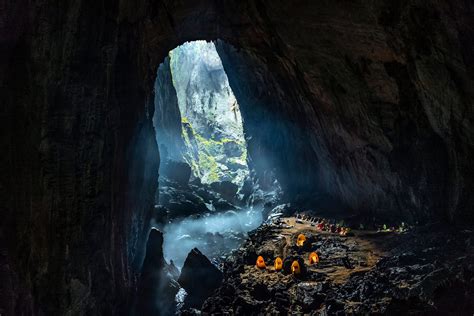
(313, 258)
(300, 241)
(278, 264)
(260, 263)
(295, 267)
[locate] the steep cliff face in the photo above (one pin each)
(370, 98)
(167, 117)
(374, 98)
(80, 162)
(215, 147)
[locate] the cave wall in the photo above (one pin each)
(167, 117)
(368, 103)
(388, 100)
(382, 92)
(80, 162)
(275, 129)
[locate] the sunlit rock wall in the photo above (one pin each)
(211, 119)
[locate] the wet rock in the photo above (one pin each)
(199, 277)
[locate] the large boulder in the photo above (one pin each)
(176, 171)
(199, 277)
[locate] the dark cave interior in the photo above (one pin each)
(358, 125)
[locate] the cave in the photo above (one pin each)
(197, 117)
(206, 196)
(358, 126)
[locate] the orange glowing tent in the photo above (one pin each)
(313, 258)
(300, 241)
(295, 267)
(260, 263)
(278, 264)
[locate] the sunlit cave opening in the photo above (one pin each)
(205, 187)
(211, 121)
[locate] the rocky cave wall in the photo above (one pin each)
(167, 117)
(79, 162)
(211, 122)
(373, 99)
(382, 93)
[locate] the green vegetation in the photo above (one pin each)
(203, 152)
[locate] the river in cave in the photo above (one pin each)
(214, 235)
(200, 134)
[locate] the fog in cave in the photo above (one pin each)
(237, 157)
(210, 140)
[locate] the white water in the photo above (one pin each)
(214, 235)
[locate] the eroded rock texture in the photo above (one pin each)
(373, 99)
(167, 117)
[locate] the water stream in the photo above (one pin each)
(215, 235)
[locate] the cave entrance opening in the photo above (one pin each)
(203, 125)
(205, 187)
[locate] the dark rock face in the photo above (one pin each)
(167, 118)
(226, 188)
(199, 277)
(176, 171)
(157, 287)
(372, 102)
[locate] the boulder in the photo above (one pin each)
(226, 189)
(199, 277)
(176, 171)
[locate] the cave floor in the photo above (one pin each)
(426, 270)
(361, 247)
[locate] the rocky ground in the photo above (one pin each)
(426, 270)
(181, 195)
(416, 270)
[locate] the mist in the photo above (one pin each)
(214, 235)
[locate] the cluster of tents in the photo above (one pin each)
(295, 265)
